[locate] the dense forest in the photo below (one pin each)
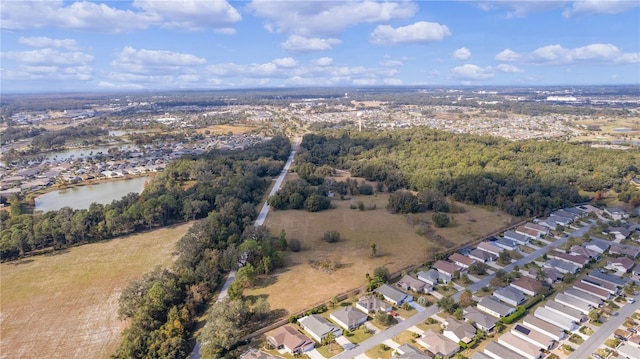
(524, 178)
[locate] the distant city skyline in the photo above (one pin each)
(69, 46)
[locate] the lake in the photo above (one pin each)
(82, 197)
(86, 152)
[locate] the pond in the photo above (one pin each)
(82, 197)
(86, 152)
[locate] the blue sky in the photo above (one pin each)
(51, 45)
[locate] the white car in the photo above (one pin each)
(631, 300)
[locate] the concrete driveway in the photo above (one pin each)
(314, 354)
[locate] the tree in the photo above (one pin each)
(374, 250)
(478, 268)
(447, 304)
(329, 338)
(466, 299)
(594, 314)
(282, 240)
(440, 219)
(458, 313)
(334, 301)
(382, 273)
(504, 258)
(331, 236)
(225, 326)
(383, 318)
(294, 245)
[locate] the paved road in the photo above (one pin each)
(195, 354)
(422, 316)
(389, 333)
(528, 258)
(265, 207)
(596, 339)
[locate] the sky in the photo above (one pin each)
(76, 46)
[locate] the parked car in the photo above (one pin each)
(631, 300)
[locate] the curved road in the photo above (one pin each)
(195, 354)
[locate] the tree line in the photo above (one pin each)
(189, 188)
(527, 178)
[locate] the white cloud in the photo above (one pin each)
(418, 32)
(43, 41)
(393, 82)
(600, 7)
(391, 63)
(50, 73)
(472, 72)
(90, 16)
(286, 62)
(520, 8)
(194, 15)
(323, 61)
(297, 43)
(49, 56)
(328, 18)
(550, 53)
(461, 54)
(509, 68)
(508, 55)
(144, 57)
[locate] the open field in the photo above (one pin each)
(299, 286)
(224, 129)
(64, 305)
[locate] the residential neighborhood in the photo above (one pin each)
(546, 302)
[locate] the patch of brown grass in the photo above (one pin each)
(299, 286)
(65, 305)
(224, 129)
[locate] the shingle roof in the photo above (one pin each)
(289, 337)
(349, 316)
(390, 292)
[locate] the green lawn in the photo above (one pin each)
(378, 353)
(360, 334)
(330, 350)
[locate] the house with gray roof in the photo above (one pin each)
(516, 237)
(407, 351)
(372, 304)
(576, 259)
(498, 351)
(565, 311)
(574, 303)
(616, 213)
(596, 282)
(597, 245)
(410, 283)
(537, 227)
(481, 320)
(613, 279)
(430, 277)
(494, 307)
(559, 220)
(621, 264)
(318, 327)
(507, 244)
(562, 266)
(510, 295)
(520, 346)
(348, 317)
(482, 256)
(393, 295)
(555, 319)
(527, 285)
(480, 355)
(628, 351)
(533, 336)
(526, 231)
(584, 252)
(544, 327)
(591, 299)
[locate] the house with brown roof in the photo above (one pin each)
(461, 261)
(482, 256)
(531, 233)
(577, 259)
(446, 268)
(593, 290)
(520, 346)
(438, 344)
(257, 354)
(620, 264)
(602, 284)
(624, 250)
(526, 285)
(490, 247)
(537, 227)
(459, 331)
(288, 338)
(410, 283)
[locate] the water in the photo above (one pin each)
(86, 152)
(82, 197)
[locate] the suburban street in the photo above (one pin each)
(195, 354)
(597, 339)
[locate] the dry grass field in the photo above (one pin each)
(65, 305)
(299, 286)
(224, 129)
